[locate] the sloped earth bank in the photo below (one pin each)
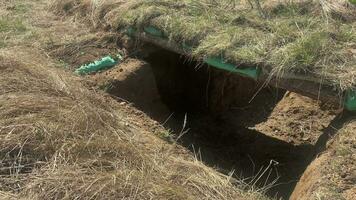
(268, 142)
(267, 139)
(265, 136)
(277, 135)
(332, 175)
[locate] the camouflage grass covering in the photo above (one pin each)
(309, 39)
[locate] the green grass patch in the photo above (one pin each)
(2, 44)
(165, 135)
(290, 9)
(21, 8)
(284, 37)
(304, 53)
(12, 25)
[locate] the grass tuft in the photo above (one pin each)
(12, 25)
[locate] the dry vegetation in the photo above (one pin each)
(60, 140)
(315, 38)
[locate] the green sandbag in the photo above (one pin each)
(251, 72)
(151, 30)
(99, 65)
(350, 100)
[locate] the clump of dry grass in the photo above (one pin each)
(60, 140)
(315, 38)
(341, 8)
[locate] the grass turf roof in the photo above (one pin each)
(285, 38)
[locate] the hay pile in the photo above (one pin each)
(59, 140)
(315, 39)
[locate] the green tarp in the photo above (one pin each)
(154, 31)
(251, 72)
(99, 65)
(350, 100)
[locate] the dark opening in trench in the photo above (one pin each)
(221, 111)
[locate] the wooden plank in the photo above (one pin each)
(314, 90)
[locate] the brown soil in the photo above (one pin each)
(230, 127)
(274, 132)
(271, 136)
(134, 82)
(332, 175)
(298, 120)
(259, 137)
(229, 132)
(310, 180)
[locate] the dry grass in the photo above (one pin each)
(309, 37)
(59, 140)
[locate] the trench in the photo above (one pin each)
(213, 114)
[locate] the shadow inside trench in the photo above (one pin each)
(224, 140)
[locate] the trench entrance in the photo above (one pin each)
(217, 115)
